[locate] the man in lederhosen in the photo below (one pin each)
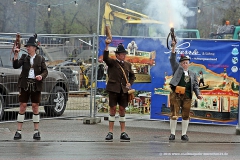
(187, 79)
(30, 82)
(117, 87)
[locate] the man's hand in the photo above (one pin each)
(200, 97)
(16, 51)
(173, 46)
(38, 77)
(108, 41)
(128, 85)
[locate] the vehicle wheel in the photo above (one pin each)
(1, 106)
(57, 102)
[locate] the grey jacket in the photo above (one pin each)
(177, 74)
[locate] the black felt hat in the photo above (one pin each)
(32, 42)
(183, 58)
(120, 49)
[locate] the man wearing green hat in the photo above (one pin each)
(30, 83)
(183, 84)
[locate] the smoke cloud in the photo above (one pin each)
(172, 12)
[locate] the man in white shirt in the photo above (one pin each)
(34, 71)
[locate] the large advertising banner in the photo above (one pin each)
(215, 63)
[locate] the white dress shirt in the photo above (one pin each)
(31, 73)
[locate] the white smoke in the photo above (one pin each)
(172, 12)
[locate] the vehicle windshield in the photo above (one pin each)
(186, 34)
(5, 55)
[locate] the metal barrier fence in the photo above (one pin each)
(73, 55)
